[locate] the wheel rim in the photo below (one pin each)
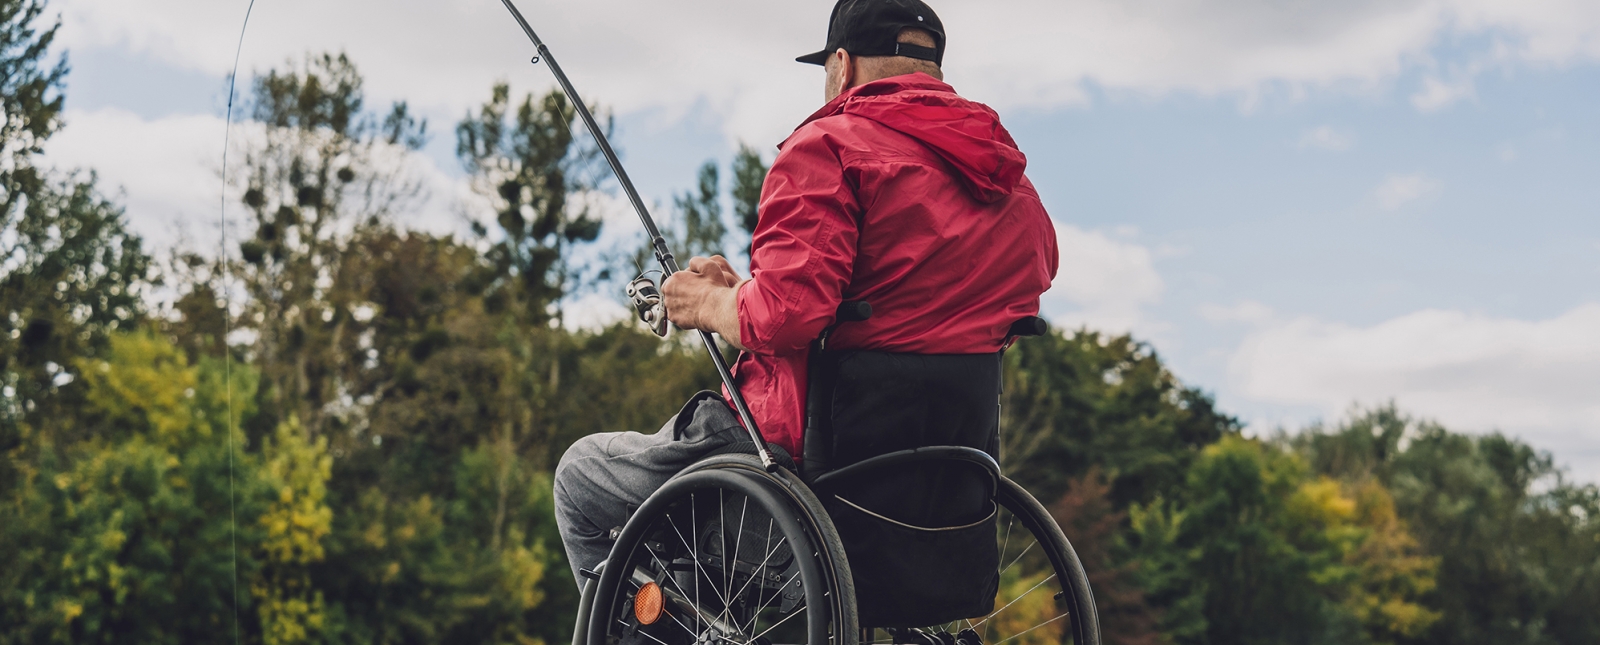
(685, 537)
(1043, 595)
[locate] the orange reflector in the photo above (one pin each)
(647, 605)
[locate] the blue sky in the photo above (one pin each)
(1301, 206)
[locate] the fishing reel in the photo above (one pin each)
(645, 294)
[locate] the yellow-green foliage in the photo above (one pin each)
(151, 381)
(1394, 573)
(295, 523)
(1378, 575)
(126, 530)
(299, 469)
(1024, 604)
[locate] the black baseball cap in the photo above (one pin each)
(871, 27)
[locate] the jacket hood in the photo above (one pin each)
(967, 134)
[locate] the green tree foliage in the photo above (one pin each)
(325, 173)
(749, 174)
(1086, 516)
(1086, 399)
(528, 166)
(66, 262)
(72, 274)
(1516, 544)
(700, 215)
(126, 536)
(1257, 549)
(30, 92)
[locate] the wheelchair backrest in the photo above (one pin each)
(903, 451)
(865, 404)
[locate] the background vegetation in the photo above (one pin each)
(366, 457)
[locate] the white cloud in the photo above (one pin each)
(734, 57)
(1536, 379)
(1325, 138)
(168, 170)
(167, 167)
(1436, 94)
(1248, 311)
(1101, 282)
(1398, 190)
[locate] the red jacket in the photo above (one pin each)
(901, 193)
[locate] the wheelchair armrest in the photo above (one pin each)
(1030, 326)
(853, 311)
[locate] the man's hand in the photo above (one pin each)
(705, 296)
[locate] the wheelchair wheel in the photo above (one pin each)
(1044, 594)
(726, 553)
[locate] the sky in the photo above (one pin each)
(1303, 206)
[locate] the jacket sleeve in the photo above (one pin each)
(803, 249)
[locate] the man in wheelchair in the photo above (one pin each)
(899, 193)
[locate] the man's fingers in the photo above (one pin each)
(699, 264)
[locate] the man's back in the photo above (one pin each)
(903, 194)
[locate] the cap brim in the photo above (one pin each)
(818, 58)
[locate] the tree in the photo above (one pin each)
(530, 170)
(1515, 542)
(324, 173)
(700, 213)
(1258, 549)
(749, 174)
(72, 275)
(1085, 399)
(30, 92)
(1093, 527)
(126, 536)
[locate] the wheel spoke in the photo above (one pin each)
(796, 612)
(694, 554)
(1019, 556)
(697, 566)
(1014, 600)
(667, 573)
(1014, 636)
(757, 615)
(730, 563)
(762, 571)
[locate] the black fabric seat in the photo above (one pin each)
(920, 534)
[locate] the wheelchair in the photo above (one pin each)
(899, 528)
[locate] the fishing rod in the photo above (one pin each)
(658, 244)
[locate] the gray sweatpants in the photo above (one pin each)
(604, 477)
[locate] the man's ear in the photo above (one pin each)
(847, 69)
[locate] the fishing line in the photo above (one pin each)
(227, 313)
